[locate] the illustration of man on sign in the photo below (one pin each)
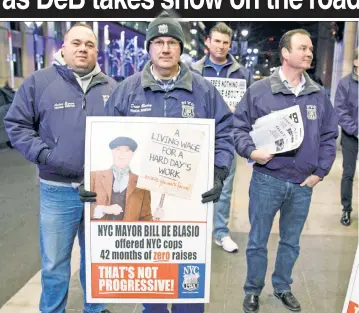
(118, 197)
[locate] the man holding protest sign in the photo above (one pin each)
(231, 79)
(167, 88)
(284, 181)
(346, 105)
(46, 123)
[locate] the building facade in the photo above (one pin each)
(29, 46)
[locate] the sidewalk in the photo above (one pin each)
(320, 276)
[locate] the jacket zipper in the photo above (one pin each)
(165, 104)
(84, 102)
(85, 93)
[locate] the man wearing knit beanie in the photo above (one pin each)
(164, 25)
(170, 89)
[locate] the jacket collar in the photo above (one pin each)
(355, 76)
(278, 86)
(233, 65)
(199, 65)
(68, 75)
(184, 81)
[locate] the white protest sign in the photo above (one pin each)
(171, 160)
(135, 257)
(231, 89)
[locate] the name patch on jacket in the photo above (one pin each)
(136, 108)
(64, 105)
(187, 109)
(312, 112)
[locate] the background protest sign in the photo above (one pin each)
(231, 89)
(171, 160)
(133, 261)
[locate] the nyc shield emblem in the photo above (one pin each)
(105, 98)
(191, 278)
(312, 112)
(187, 109)
(163, 29)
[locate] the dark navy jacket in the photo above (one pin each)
(346, 104)
(49, 113)
(318, 149)
(230, 70)
(192, 96)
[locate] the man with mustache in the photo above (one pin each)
(46, 123)
(284, 182)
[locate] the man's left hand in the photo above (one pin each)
(85, 195)
(214, 194)
(311, 181)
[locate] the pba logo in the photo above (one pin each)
(191, 278)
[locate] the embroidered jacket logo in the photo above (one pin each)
(187, 109)
(312, 112)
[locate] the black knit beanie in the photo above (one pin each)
(164, 25)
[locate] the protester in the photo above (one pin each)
(284, 182)
(346, 105)
(6, 97)
(46, 123)
(220, 63)
(170, 89)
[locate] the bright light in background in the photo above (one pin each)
(266, 60)
(249, 50)
(258, 72)
(31, 24)
(253, 58)
(106, 35)
(193, 31)
(255, 50)
(237, 57)
(247, 58)
(244, 33)
(193, 42)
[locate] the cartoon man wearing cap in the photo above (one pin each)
(118, 198)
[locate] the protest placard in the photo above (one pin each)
(231, 89)
(171, 160)
(131, 256)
